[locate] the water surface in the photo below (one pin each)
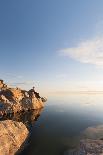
(62, 122)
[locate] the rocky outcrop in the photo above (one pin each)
(28, 117)
(12, 136)
(14, 100)
(15, 131)
(18, 111)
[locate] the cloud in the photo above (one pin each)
(88, 51)
(22, 83)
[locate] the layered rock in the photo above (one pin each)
(16, 100)
(12, 136)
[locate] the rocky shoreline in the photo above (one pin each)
(18, 111)
(15, 131)
(13, 100)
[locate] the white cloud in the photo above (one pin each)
(88, 51)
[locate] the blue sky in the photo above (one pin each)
(52, 44)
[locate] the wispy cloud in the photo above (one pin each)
(22, 83)
(88, 51)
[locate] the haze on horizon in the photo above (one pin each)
(55, 45)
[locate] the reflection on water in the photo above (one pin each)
(28, 118)
(62, 122)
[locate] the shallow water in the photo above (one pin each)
(62, 122)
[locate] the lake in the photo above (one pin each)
(62, 121)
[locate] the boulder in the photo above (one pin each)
(12, 136)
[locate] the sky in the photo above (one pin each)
(55, 45)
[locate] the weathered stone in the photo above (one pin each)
(12, 136)
(13, 133)
(91, 147)
(28, 117)
(16, 100)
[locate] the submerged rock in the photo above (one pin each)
(12, 136)
(92, 141)
(93, 132)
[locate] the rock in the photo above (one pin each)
(31, 103)
(13, 133)
(91, 147)
(87, 147)
(1, 84)
(16, 100)
(43, 99)
(28, 117)
(92, 143)
(12, 136)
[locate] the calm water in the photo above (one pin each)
(62, 122)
